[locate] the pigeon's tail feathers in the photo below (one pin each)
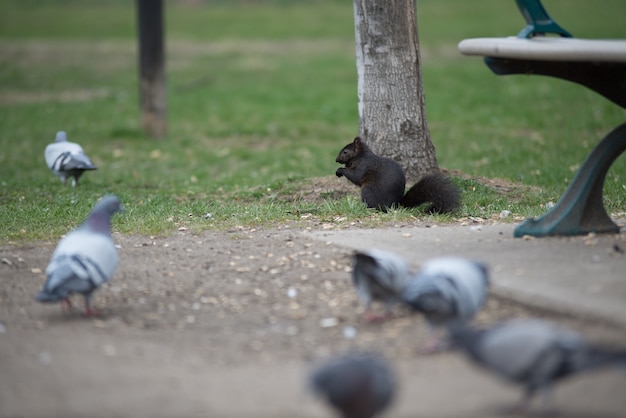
(599, 357)
(59, 272)
(46, 297)
(55, 288)
(62, 283)
(80, 162)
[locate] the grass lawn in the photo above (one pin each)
(261, 97)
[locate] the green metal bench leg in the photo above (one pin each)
(580, 210)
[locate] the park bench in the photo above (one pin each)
(600, 65)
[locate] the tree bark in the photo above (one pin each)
(392, 113)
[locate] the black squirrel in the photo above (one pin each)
(382, 181)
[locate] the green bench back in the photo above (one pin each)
(538, 21)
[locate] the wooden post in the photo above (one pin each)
(153, 98)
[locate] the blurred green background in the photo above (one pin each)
(261, 97)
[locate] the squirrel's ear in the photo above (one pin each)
(357, 141)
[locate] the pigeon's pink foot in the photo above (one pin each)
(371, 317)
(437, 344)
(90, 313)
(66, 305)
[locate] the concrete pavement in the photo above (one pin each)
(583, 275)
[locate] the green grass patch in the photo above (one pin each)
(261, 97)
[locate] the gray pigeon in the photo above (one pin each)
(84, 259)
(67, 159)
(445, 290)
(379, 276)
(356, 385)
(533, 352)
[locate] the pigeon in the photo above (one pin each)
(445, 290)
(379, 276)
(84, 259)
(534, 353)
(67, 159)
(356, 385)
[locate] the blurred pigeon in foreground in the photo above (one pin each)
(379, 276)
(534, 353)
(84, 259)
(67, 159)
(445, 290)
(356, 385)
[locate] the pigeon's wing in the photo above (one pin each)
(51, 153)
(474, 289)
(460, 280)
(520, 348)
(57, 151)
(382, 383)
(90, 256)
(427, 295)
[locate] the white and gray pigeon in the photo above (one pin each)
(67, 159)
(445, 290)
(84, 259)
(534, 353)
(356, 385)
(381, 276)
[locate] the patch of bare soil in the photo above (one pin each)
(330, 187)
(317, 189)
(226, 324)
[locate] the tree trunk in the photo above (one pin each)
(392, 114)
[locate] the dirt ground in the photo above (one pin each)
(228, 324)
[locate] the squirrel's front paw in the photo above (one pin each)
(339, 172)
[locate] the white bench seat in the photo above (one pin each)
(598, 64)
(547, 48)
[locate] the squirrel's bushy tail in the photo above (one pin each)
(436, 189)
